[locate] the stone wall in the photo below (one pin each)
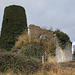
(64, 55)
(45, 37)
(36, 32)
(14, 23)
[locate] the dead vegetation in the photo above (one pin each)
(50, 69)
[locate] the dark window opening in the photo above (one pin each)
(6, 20)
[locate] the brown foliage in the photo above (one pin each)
(23, 39)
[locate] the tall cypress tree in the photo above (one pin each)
(14, 22)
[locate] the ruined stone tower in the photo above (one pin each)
(14, 22)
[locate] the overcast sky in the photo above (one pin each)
(47, 13)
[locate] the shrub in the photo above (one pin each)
(30, 49)
(62, 37)
(21, 42)
(33, 50)
(3, 50)
(9, 60)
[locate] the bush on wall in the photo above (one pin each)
(63, 38)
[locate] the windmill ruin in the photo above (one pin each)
(62, 55)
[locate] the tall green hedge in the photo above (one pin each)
(14, 22)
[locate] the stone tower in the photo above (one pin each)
(14, 22)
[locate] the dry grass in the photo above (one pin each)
(57, 69)
(52, 59)
(60, 71)
(22, 40)
(9, 72)
(52, 68)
